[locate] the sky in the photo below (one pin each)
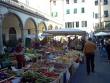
(41, 5)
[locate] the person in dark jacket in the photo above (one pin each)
(108, 50)
(89, 51)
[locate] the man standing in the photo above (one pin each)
(89, 51)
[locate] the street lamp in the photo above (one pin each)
(3, 11)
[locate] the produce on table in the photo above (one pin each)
(3, 75)
(50, 74)
(35, 77)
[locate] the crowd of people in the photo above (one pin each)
(89, 47)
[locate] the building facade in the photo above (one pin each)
(19, 20)
(102, 14)
(88, 15)
(75, 13)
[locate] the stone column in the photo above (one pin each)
(23, 37)
(22, 33)
(3, 10)
(1, 39)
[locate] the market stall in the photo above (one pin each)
(102, 34)
(53, 66)
(66, 31)
(50, 63)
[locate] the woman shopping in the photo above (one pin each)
(19, 53)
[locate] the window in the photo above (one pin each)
(29, 31)
(96, 2)
(96, 16)
(67, 1)
(27, 2)
(106, 13)
(54, 2)
(77, 24)
(15, 0)
(75, 1)
(105, 2)
(75, 11)
(68, 11)
(83, 0)
(82, 10)
(65, 25)
(84, 23)
(68, 24)
(73, 25)
(54, 14)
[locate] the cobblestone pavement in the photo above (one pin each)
(101, 75)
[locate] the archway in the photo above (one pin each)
(12, 34)
(30, 30)
(12, 29)
(56, 27)
(50, 27)
(41, 29)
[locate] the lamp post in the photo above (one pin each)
(3, 11)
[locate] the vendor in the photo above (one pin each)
(19, 53)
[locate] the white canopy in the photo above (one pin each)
(31, 36)
(46, 34)
(102, 34)
(66, 31)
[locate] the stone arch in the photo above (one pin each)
(56, 27)
(30, 27)
(50, 27)
(30, 30)
(12, 21)
(41, 27)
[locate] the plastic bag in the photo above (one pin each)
(67, 75)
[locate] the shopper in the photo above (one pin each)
(108, 50)
(89, 51)
(19, 53)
